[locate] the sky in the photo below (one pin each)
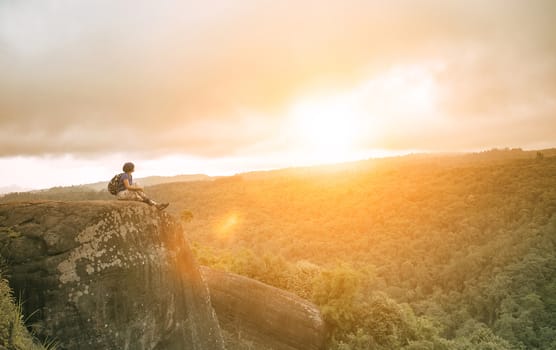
(221, 87)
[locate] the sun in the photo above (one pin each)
(325, 129)
(354, 123)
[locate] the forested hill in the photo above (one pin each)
(453, 252)
(417, 252)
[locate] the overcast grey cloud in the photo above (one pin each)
(214, 78)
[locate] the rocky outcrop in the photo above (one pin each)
(263, 316)
(106, 275)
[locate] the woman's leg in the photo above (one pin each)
(139, 196)
(145, 198)
(128, 195)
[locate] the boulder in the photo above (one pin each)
(260, 316)
(106, 275)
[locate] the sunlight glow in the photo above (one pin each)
(327, 128)
(349, 123)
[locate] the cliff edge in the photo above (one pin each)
(106, 275)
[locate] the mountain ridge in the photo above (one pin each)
(494, 154)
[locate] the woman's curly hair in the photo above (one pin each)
(129, 166)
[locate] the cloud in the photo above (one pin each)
(216, 78)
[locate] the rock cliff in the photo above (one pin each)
(263, 316)
(106, 275)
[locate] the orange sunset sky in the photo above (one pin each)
(220, 87)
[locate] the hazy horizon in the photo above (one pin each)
(106, 173)
(225, 87)
(167, 167)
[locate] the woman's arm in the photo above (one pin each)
(131, 187)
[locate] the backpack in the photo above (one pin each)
(114, 184)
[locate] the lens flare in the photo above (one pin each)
(227, 225)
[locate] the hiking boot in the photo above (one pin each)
(162, 206)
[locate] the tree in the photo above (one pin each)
(186, 216)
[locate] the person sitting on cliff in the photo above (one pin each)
(134, 192)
